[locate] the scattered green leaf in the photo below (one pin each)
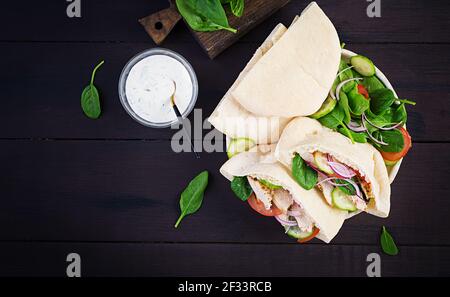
(387, 243)
(192, 197)
(90, 99)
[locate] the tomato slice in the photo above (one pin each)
(259, 207)
(363, 91)
(393, 157)
(314, 234)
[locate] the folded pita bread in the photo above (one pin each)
(294, 77)
(233, 120)
(265, 166)
(305, 136)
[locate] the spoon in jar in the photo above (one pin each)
(180, 118)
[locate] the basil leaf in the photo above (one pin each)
(192, 197)
(204, 15)
(357, 102)
(304, 175)
(394, 139)
(241, 188)
(90, 99)
(387, 243)
(381, 100)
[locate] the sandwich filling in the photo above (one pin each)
(269, 197)
(344, 187)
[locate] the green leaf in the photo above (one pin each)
(192, 197)
(357, 102)
(387, 243)
(372, 83)
(333, 119)
(347, 74)
(346, 187)
(343, 102)
(381, 100)
(237, 7)
(394, 139)
(303, 174)
(241, 188)
(90, 99)
(204, 15)
(360, 137)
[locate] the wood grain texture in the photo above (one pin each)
(237, 260)
(255, 12)
(420, 75)
(159, 24)
(129, 191)
(403, 21)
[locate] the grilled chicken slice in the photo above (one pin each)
(305, 223)
(263, 193)
(282, 199)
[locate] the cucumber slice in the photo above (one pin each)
(321, 162)
(390, 163)
(269, 184)
(239, 145)
(327, 106)
(296, 233)
(341, 201)
(363, 65)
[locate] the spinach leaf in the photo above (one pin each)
(90, 99)
(346, 187)
(394, 139)
(347, 74)
(192, 197)
(204, 15)
(372, 83)
(237, 6)
(241, 188)
(381, 100)
(304, 175)
(357, 102)
(387, 243)
(343, 102)
(399, 114)
(333, 119)
(360, 137)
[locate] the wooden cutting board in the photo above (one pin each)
(158, 25)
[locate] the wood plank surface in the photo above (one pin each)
(225, 260)
(129, 191)
(407, 21)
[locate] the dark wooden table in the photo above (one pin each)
(109, 189)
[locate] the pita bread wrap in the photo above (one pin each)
(233, 120)
(305, 136)
(264, 166)
(294, 77)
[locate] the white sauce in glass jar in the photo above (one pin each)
(150, 84)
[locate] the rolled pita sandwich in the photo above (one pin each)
(351, 176)
(233, 120)
(270, 190)
(295, 75)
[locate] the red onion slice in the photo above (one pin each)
(339, 86)
(341, 169)
(354, 126)
(380, 127)
(370, 134)
(286, 222)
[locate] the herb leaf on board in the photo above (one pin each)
(204, 15)
(304, 175)
(192, 197)
(241, 188)
(387, 243)
(90, 99)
